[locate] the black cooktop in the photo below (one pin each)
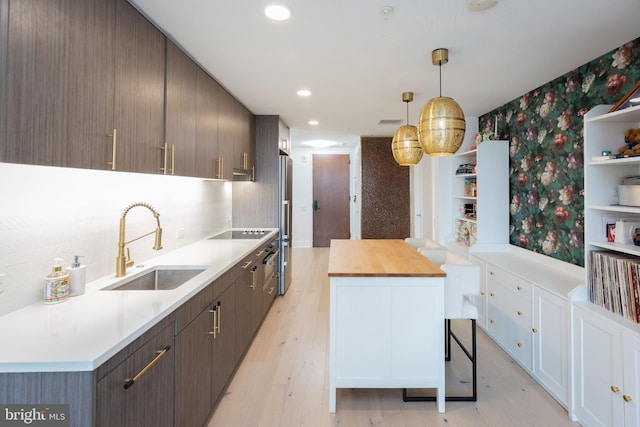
(240, 234)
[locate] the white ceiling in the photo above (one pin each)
(357, 62)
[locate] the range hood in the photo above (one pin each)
(243, 174)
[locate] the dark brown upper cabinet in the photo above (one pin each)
(77, 70)
(93, 84)
(179, 153)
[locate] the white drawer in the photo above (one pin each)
(513, 283)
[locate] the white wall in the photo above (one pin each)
(303, 192)
(50, 212)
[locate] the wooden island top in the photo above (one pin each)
(378, 258)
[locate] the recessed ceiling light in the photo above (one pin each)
(318, 143)
(277, 11)
(304, 92)
(480, 5)
(313, 122)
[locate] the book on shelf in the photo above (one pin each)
(614, 283)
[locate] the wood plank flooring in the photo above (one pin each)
(283, 379)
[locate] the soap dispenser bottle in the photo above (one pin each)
(77, 276)
(56, 284)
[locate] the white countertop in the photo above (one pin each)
(83, 332)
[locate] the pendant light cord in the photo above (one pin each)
(440, 68)
(407, 102)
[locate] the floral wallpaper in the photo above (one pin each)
(545, 131)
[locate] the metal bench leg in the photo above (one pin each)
(474, 369)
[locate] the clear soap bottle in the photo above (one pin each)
(56, 284)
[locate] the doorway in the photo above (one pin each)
(331, 198)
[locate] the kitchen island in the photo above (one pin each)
(386, 318)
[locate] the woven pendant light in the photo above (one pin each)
(405, 145)
(441, 125)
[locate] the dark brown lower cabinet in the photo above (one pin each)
(149, 400)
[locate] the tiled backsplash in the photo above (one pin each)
(50, 212)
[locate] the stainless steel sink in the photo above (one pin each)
(161, 278)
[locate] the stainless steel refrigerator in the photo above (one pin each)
(285, 192)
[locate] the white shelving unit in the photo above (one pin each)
(606, 346)
(491, 199)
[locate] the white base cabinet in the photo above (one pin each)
(550, 343)
(606, 365)
(527, 311)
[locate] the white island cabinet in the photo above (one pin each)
(386, 318)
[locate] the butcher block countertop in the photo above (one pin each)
(378, 258)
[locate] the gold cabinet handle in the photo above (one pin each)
(219, 313)
(615, 389)
(114, 139)
(519, 313)
(534, 330)
(482, 293)
(159, 354)
(247, 265)
(253, 173)
(492, 294)
(491, 321)
(254, 278)
(520, 344)
(491, 273)
(214, 321)
(173, 158)
(626, 398)
(245, 160)
(219, 168)
(222, 168)
(271, 290)
(519, 288)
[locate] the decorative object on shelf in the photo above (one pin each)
(441, 126)
(480, 137)
(631, 99)
(405, 146)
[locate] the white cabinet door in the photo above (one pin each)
(480, 300)
(550, 342)
(631, 391)
(597, 370)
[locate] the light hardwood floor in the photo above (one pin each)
(283, 379)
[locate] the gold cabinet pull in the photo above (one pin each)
(245, 160)
(165, 150)
(482, 293)
(219, 313)
(253, 173)
(254, 278)
(492, 294)
(271, 290)
(519, 313)
(491, 273)
(219, 168)
(626, 398)
(173, 158)
(519, 288)
(534, 330)
(491, 321)
(247, 265)
(520, 344)
(159, 354)
(615, 389)
(114, 139)
(214, 321)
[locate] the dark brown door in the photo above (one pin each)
(385, 212)
(330, 198)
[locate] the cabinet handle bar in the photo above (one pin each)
(160, 353)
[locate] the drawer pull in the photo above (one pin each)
(114, 137)
(520, 344)
(247, 264)
(519, 313)
(491, 273)
(491, 321)
(214, 322)
(482, 293)
(271, 290)
(626, 398)
(492, 294)
(160, 353)
(519, 288)
(534, 330)
(615, 389)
